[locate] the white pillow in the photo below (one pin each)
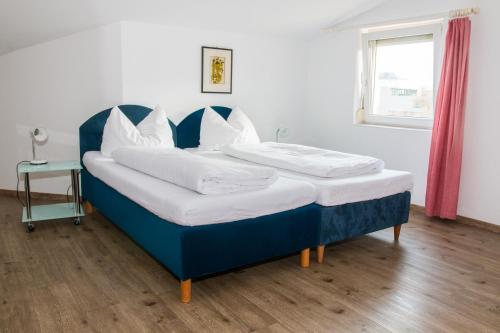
(156, 127)
(119, 131)
(239, 120)
(215, 131)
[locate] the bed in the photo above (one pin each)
(347, 207)
(193, 235)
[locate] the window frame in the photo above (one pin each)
(368, 81)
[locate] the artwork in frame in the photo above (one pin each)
(216, 70)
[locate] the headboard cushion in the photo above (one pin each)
(91, 131)
(188, 130)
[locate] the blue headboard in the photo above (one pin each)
(188, 130)
(185, 135)
(91, 130)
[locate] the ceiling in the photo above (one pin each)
(28, 22)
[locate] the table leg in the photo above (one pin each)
(77, 192)
(28, 199)
(75, 185)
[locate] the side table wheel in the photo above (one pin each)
(77, 221)
(30, 228)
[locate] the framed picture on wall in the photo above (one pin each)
(216, 70)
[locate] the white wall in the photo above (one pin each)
(60, 84)
(56, 85)
(162, 64)
(330, 105)
(481, 160)
(308, 87)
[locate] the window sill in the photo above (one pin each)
(394, 127)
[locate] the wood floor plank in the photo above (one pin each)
(440, 277)
(224, 293)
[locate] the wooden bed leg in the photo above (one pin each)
(88, 208)
(304, 258)
(186, 291)
(320, 253)
(397, 230)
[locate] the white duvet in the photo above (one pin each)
(307, 160)
(197, 173)
(189, 208)
(338, 191)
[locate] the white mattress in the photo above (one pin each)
(189, 208)
(332, 192)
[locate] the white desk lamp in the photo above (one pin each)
(282, 132)
(38, 136)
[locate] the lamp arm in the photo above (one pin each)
(33, 148)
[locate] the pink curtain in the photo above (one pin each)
(445, 161)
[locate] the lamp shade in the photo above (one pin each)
(40, 135)
(282, 132)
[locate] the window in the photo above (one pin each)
(400, 71)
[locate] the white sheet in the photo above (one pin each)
(332, 192)
(186, 207)
(304, 159)
(194, 172)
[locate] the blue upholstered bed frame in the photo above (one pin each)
(194, 252)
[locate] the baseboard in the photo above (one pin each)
(461, 219)
(34, 195)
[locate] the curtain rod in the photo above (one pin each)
(456, 13)
(463, 12)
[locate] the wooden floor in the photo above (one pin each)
(91, 278)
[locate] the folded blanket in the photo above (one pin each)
(197, 173)
(308, 160)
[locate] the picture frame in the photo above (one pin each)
(216, 70)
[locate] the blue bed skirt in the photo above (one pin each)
(193, 252)
(360, 218)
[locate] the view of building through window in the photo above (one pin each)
(403, 77)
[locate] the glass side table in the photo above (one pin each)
(54, 211)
